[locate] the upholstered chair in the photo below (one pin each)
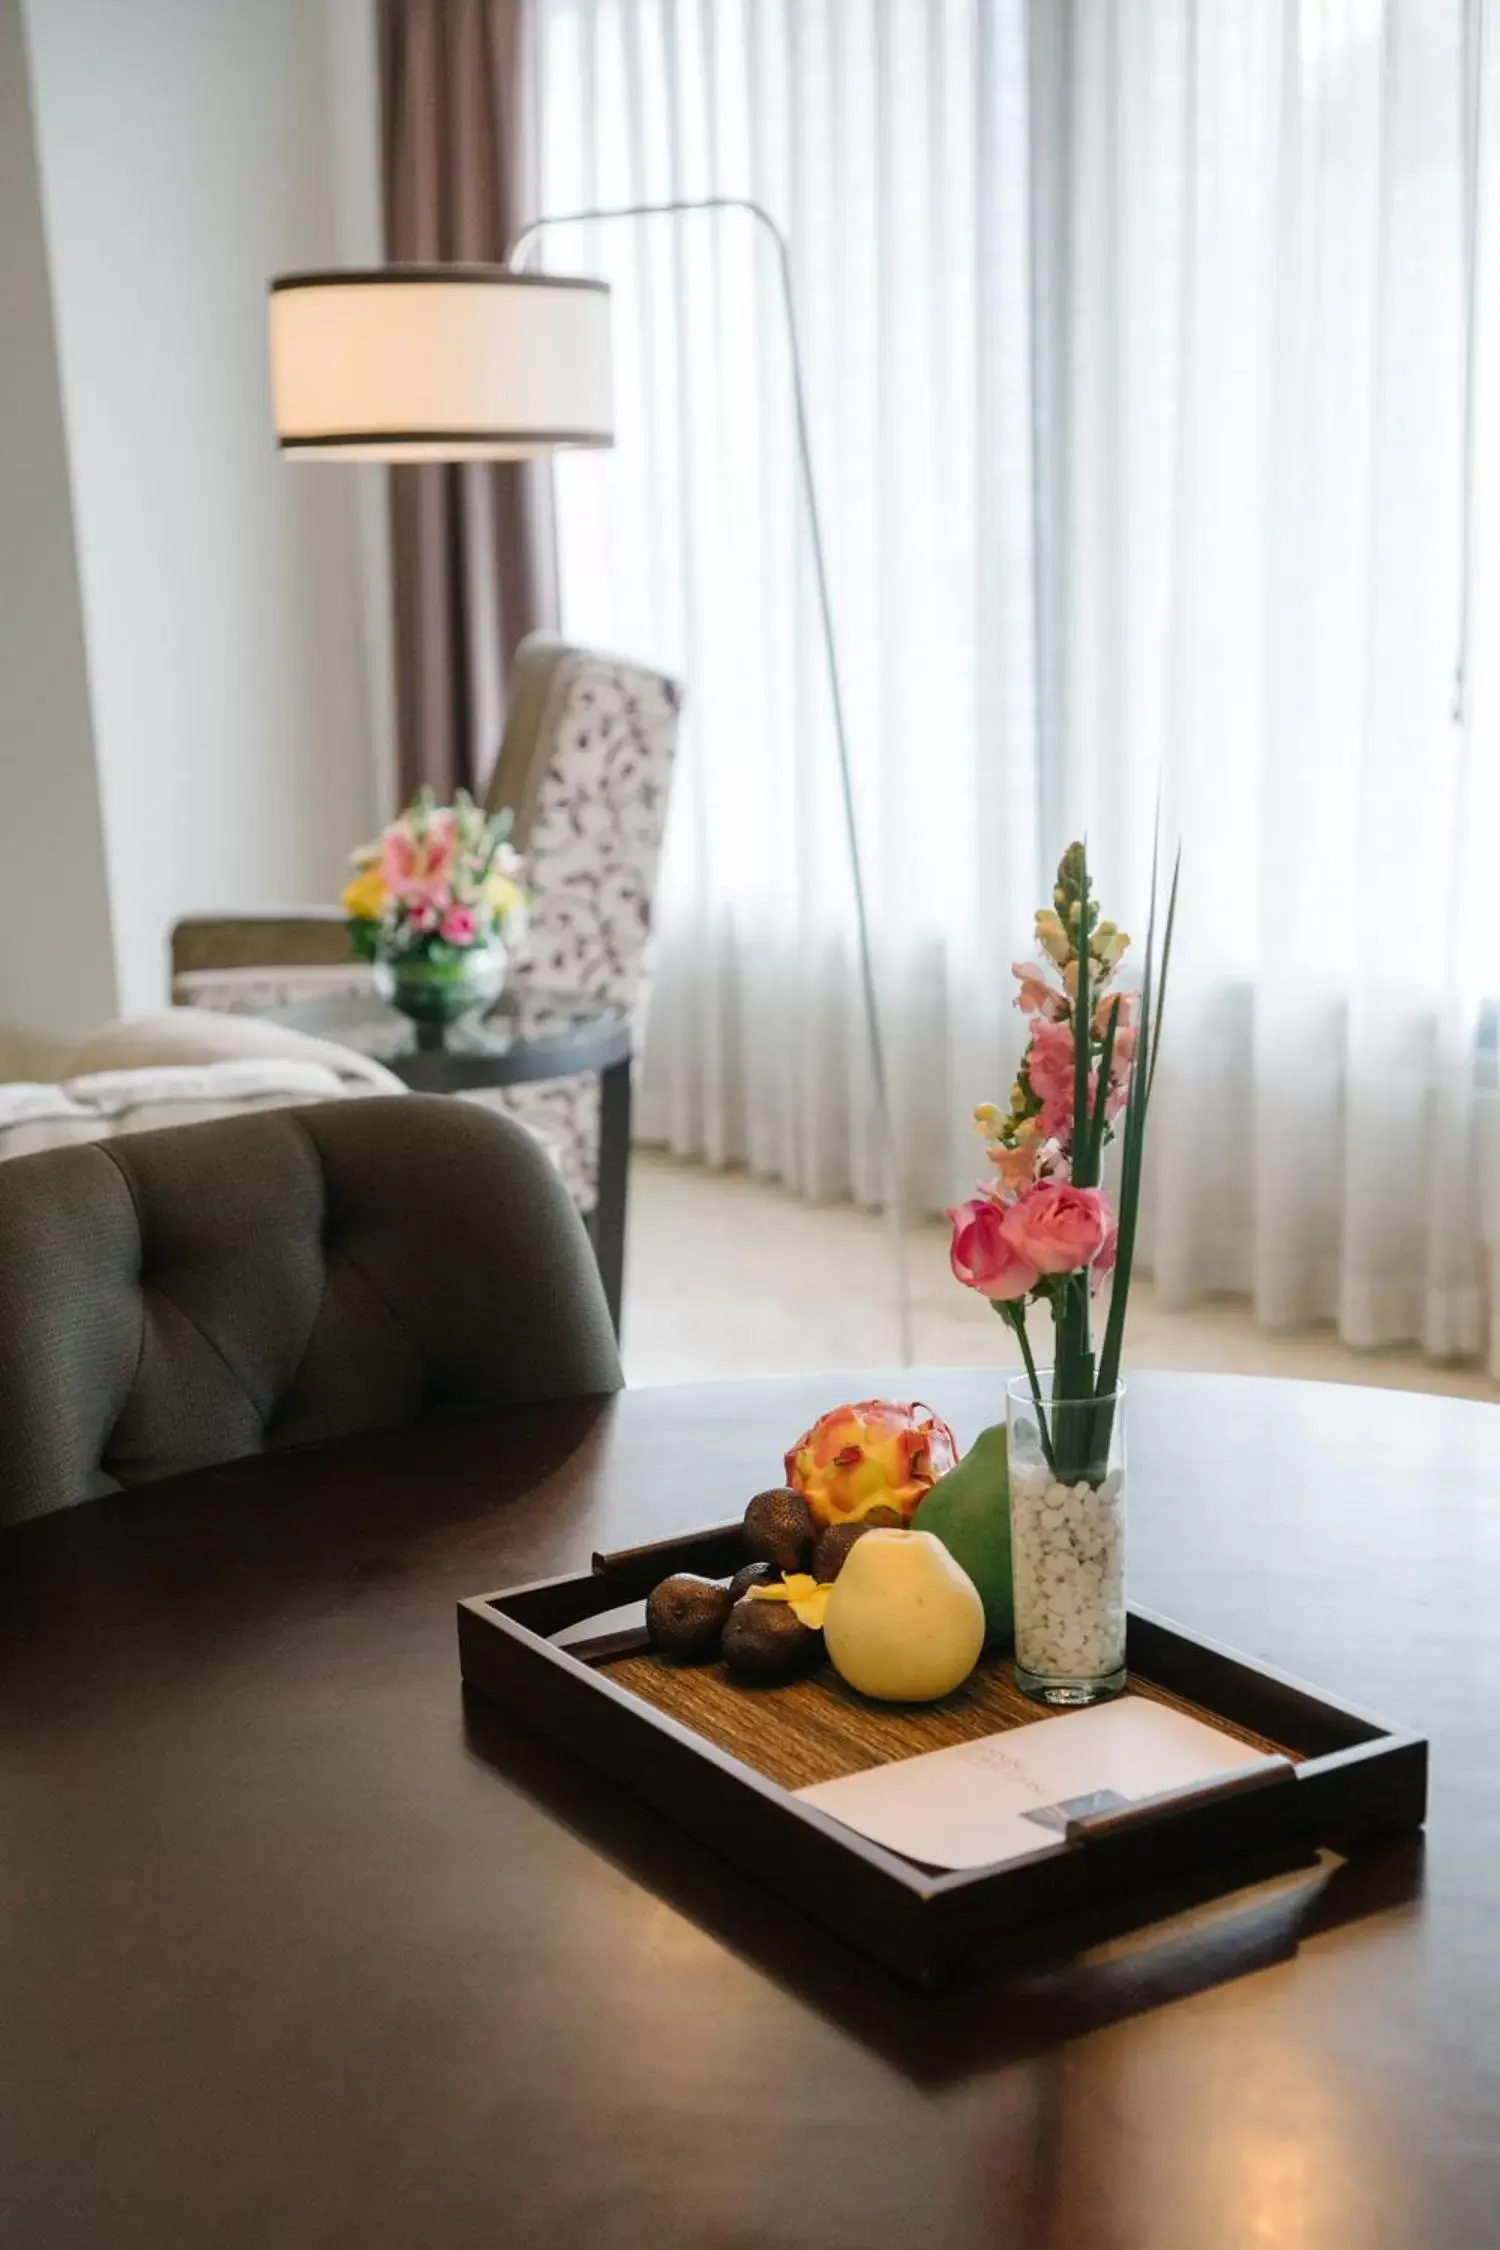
(189, 1296)
(585, 766)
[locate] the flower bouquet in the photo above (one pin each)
(436, 902)
(1040, 1231)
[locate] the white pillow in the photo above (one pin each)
(199, 1035)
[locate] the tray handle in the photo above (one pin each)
(716, 1551)
(1273, 1772)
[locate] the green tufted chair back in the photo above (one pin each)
(184, 1297)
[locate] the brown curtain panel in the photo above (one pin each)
(473, 556)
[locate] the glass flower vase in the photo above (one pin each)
(437, 984)
(1067, 1534)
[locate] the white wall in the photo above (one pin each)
(56, 955)
(189, 149)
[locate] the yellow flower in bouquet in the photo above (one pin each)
(504, 896)
(365, 896)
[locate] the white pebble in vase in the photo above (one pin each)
(1068, 1547)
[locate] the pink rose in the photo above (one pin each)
(982, 1256)
(421, 916)
(1037, 997)
(460, 926)
(1056, 1228)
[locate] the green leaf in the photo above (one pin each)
(1132, 1154)
(1099, 1118)
(1166, 956)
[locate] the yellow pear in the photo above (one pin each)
(904, 1622)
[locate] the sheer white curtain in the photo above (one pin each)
(1138, 362)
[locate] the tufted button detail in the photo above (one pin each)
(205, 1305)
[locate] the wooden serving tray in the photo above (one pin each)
(721, 1759)
(817, 1729)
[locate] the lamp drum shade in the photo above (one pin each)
(439, 363)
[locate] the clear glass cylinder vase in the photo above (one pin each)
(1067, 1536)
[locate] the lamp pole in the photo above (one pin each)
(874, 1030)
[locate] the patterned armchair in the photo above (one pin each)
(585, 765)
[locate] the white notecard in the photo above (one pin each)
(1010, 1793)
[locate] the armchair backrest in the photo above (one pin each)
(192, 1295)
(586, 766)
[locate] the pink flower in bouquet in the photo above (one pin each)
(1049, 1072)
(421, 916)
(1122, 1053)
(1037, 997)
(460, 926)
(1016, 1166)
(1104, 1007)
(1056, 1228)
(1052, 1161)
(982, 1255)
(1104, 1262)
(418, 864)
(1049, 1061)
(1122, 1056)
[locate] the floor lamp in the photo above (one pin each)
(472, 363)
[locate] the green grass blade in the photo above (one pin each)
(1098, 1120)
(1130, 1163)
(1130, 1189)
(1166, 962)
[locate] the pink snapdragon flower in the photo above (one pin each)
(982, 1255)
(1052, 1161)
(1104, 1007)
(1016, 1166)
(1121, 1058)
(1049, 1061)
(1037, 996)
(460, 926)
(1055, 1228)
(1049, 1072)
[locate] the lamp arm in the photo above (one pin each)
(874, 1030)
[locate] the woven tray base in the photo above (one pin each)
(818, 1729)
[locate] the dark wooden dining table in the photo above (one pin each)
(296, 1949)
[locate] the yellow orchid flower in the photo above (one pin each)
(804, 1597)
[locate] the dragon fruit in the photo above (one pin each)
(876, 1454)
